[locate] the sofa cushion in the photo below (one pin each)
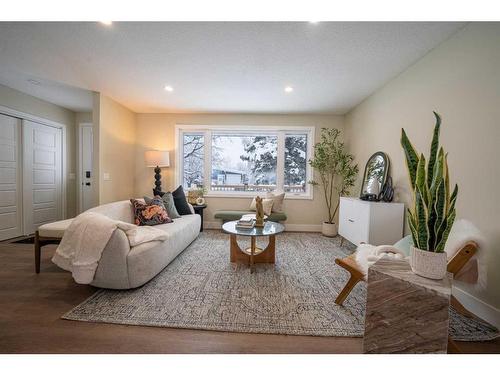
(267, 205)
(278, 199)
(229, 215)
(180, 201)
(55, 229)
(150, 214)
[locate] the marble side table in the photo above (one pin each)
(405, 313)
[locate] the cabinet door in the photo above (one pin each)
(10, 178)
(354, 220)
(42, 182)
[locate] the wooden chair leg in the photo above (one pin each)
(37, 252)
(353, 280)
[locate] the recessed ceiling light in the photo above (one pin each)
(107, 23)
(169, 88)
(288, 89)
(34, 82)
(314, 22)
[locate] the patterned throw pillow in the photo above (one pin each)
(168, 202)
(153, 213)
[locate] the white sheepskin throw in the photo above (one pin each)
(462, 232)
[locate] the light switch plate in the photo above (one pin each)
(106, 176)
(72, 176)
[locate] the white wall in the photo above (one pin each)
(460, 79)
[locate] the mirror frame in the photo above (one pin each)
(386, 172)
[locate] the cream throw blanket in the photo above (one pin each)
(86, 237)
(463, 231)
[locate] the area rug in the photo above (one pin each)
(200, 289)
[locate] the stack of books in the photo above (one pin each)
(246, 222)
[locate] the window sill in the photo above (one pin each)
(254, 194)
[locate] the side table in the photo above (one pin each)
(405, 313)
(198, 209)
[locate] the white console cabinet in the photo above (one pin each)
(375, 223)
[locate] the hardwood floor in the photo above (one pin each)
(31, 306)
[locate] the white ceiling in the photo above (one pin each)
(221, 67)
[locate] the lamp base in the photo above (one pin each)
(157, 179)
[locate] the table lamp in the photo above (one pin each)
(157, 159)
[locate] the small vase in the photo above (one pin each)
(428, 264)
(329, 229)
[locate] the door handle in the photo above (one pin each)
(351, 220)
(87, 184)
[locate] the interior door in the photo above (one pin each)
(42, 175)
(86, 173)
(10, 178)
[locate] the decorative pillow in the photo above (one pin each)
(278, 199)
(168, 202)
(267, 205)
(180, 201)
(150, 214)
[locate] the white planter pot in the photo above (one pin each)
(329, 229)
(428, 264)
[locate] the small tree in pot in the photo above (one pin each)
(336, 172)
(433, 212)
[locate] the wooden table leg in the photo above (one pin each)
(37, 252)
(252, 252)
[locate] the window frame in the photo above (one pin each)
(279, 131)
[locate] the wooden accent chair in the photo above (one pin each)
(455, 264)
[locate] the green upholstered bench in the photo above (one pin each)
(227, 215)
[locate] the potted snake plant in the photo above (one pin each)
(336, 174)
(433, 211)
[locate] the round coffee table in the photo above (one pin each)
(253, 254)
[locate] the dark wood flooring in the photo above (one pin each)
(31, 306)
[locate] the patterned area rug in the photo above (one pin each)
(200, 289)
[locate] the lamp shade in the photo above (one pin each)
(155, 158)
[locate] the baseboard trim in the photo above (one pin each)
(478, 307)
(288, 227)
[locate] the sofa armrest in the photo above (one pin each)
(191, 208)
(112, 271)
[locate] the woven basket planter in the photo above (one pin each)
(428, 264)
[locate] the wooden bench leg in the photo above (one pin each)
(37, 252)
(353, 280)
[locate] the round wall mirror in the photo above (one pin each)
(376, 172)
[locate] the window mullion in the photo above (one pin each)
(207, 165)
(280, 167)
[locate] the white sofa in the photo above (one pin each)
(123, 267)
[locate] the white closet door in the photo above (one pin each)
(42, 177)
(10, 178)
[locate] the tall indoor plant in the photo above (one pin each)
(433, 212)
(336, 174)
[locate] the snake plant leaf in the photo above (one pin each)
(453, 198)
(439, 208)
(447, 181)
(434, 149)
(446, 233)
(421, 221)
(411, 157)
(420, 181)
(413, 227)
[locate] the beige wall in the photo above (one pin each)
(29, 104)
(156, 131)
(116, 139)
(460, 79)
